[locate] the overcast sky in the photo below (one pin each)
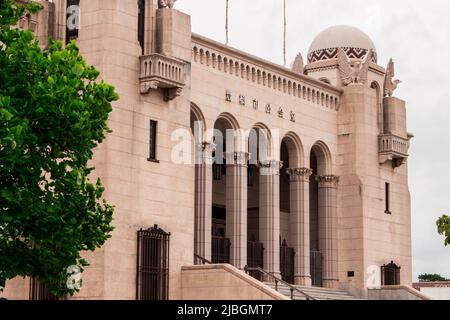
(415, 33)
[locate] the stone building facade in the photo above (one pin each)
(329, 194)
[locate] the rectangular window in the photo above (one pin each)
(387, 198)
(152, 264)
(152, 141)
(141, 23)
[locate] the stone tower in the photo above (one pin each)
(374, 201)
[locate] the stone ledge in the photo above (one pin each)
(238, 274)
(399, 289)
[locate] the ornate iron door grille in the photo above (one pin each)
(40, 291)
(220, 250)
(390, 274)
(287, 258)
(316, 268)
(255, 258)
(152, 264)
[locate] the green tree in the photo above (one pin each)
(443, 225)
(431, 278)
(53, 113)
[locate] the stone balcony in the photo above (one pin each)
(162, 72)
(393, 148)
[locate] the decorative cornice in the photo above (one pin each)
(327, 181)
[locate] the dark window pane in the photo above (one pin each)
(141, 23)
(152, 142)
(387, 199)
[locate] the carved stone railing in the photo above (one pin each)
(248, 68)
(393, 148)
(162, 72)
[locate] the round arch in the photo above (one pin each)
(323, 156)
(325, 80)
(230, 119)
(379, 95)
(264, 132)
(197, 116)
(375, 85)
(295, 150)
(225, 121)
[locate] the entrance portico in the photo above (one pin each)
(251, 197)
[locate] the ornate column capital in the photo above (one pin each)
(239, 158)
(208, 147)
(204, 152)
(270, 167)
(302, 173)
(328, 181)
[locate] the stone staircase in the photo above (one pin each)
(315, 292)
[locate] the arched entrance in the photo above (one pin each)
(229, 195)
(221, 245)
(263, 200)
(257, 143)
(203, 186)
(294, 212)
(323, 219)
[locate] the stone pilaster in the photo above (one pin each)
(236, 203)
(328, 228)
(269, 214)
(203, 200)
(299, 223)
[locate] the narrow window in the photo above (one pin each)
(152, 141)
(141, 23)
(152, 264)
(387, 198)
(72, 20)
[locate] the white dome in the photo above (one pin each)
(354, 41)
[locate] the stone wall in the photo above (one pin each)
(223, 282)
(396, 293)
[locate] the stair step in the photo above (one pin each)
(313, 289)
(315, 292)
(306, 290)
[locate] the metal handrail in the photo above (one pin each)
(291, 287)
(203, 260)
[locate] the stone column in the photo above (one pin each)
(299, 223)
(328, 228)
(236, 203)
(203, 200)
(269, 214)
